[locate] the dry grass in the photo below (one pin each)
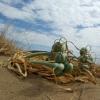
(7, 47)
(24, 67)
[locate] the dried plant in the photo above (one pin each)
(7, 47)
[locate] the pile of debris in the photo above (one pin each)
(60, 65)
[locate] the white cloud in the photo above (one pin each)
(61, 12)
(65, 12)
(15, 13)
(11, 1)
(1, 26)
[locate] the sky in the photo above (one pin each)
(35, 24)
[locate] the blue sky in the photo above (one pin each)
(35, 24)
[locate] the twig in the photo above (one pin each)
(55, 75)
(49, 98)
(66, 89)
(81, 92)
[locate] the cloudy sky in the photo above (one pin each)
(35, 24)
